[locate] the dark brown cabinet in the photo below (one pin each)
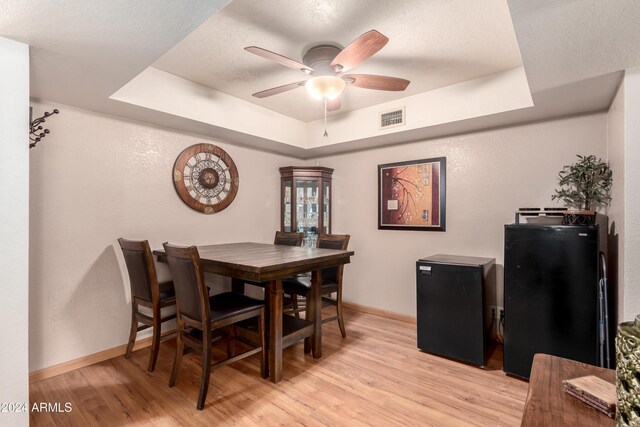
(306, 201)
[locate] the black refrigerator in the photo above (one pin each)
(555, 295)
(452, 306)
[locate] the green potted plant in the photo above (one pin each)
(583, 186)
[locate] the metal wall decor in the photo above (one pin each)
(36, 131)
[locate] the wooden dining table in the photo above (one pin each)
(269, 264)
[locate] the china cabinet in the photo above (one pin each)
(306, 201)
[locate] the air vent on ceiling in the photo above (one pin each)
(392, 118)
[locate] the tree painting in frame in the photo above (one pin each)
(411, 195)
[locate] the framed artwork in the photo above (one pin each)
(411, 195)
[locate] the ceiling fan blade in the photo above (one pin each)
(334, 104)
(272, 56)
(370, 81)
(279, 89)
(358, 50)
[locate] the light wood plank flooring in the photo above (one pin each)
(375, 376)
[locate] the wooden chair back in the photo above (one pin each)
(333, 241)
(141, 268)
(288, 239)
(192, 295)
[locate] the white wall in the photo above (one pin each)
(632, 195)
(489, 175)
(615, 155)
(96, 178)
(624, 155)
(14, 227)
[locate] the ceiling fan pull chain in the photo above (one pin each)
(326, 134)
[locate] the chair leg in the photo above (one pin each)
(340, 318)
(294, 304)
(231, 342)
(264, 372)
(307, 340)
(133, 331)
(155, 344)
(206, 370)
(177, 360)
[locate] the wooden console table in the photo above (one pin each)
(548, 405)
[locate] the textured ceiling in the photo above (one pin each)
(81, 52)
(432, 44)
(565, 41)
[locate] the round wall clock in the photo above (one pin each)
(205, 178)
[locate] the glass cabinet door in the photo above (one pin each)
(287, 220)
(326, 207)
(307, 209)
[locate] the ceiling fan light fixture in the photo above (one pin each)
(325, 87)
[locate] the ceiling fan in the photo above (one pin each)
(326, 63)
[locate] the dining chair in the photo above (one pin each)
(146, 292)
(200, 315)
(288, 239)
(281, 238)
(331, 281)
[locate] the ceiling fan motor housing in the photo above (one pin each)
(319, 58)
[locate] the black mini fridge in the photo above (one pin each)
(555, 296)
(452, 313)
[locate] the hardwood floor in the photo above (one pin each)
(375, 376)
